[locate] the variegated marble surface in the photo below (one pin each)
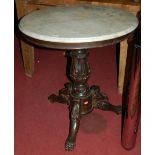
(75, 24)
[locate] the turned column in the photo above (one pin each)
(79, 74)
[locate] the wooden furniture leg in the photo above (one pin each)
(122, 64)
(28, 58)
(27, 50)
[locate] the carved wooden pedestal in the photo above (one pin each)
(79, 96)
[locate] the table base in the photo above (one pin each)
(81, 98)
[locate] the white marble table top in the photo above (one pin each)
(76, 24)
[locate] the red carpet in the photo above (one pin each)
(41, 128)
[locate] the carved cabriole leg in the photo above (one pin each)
(63, 97)
(80, 95)
(74, 126)
(100, 101)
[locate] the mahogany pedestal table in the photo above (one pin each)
(76, 29)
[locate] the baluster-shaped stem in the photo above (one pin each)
(79, 74)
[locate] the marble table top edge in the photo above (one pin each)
(75, 40)
(101, 30)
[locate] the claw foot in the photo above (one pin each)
(69, 145)
(118, 109)
(52, 98)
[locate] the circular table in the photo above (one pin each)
(76, 29)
